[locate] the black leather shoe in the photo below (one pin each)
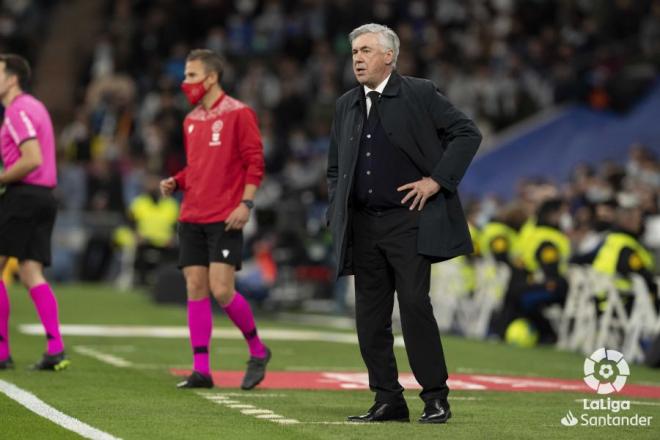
(384, 412)
(435, 411)
(196, 380)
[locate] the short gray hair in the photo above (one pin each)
(388, 38)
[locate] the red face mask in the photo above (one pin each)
(194, 91)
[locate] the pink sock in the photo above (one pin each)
(240, 313)
(4, 322)
(200, 325)
(46, 304)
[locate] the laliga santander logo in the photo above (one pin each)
(606, 371)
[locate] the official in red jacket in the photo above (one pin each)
(225, 166)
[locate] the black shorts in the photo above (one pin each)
(204, 243)
(27, 217)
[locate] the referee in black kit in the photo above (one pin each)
(397, 153)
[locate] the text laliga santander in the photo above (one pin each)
(615, 406)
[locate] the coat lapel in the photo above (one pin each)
(356, 111)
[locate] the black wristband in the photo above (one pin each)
(248, 203)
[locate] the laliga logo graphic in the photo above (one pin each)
(599, 369)
(606, 372)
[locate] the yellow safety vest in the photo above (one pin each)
(609, 253)
(155, 220)
(497, 231)
(534, 240)
(523, 237)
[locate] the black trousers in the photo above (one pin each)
(385, 259)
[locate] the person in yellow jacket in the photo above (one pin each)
(542, 265)
(153, 218)
(498, 239)
(622, 255)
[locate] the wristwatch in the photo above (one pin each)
(248, 203)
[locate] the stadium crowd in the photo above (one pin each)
(604, 218)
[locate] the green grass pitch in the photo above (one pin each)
(141, 402)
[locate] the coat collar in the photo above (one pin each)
(393, 85)
(391, 89)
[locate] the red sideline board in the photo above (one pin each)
(460, 382)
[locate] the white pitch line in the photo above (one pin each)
(113, 360)
(120, 362)
(253, 412)
(248, 410)
(286, 421)
(121, 348)
(137, 331)
(639, 402)
(41, 408)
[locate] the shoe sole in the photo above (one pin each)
(380, 421)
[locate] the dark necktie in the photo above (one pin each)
(373, 111)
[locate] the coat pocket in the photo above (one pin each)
(441, 234)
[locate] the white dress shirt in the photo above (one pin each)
(378, 89)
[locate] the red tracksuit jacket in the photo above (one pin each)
(223, 153)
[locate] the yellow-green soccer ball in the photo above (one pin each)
(521, 333)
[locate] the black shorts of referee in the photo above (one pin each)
(27, 218)
(201, 244)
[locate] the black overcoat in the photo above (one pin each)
(438, 138)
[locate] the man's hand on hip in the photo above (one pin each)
(238, 217)
(167, 186)
(420, 192)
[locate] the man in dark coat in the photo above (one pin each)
(397, 154)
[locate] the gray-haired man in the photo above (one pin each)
(398, 151)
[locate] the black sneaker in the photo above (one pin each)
(52, 362)
(7, 364)
(256, 371)
(196, 380)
